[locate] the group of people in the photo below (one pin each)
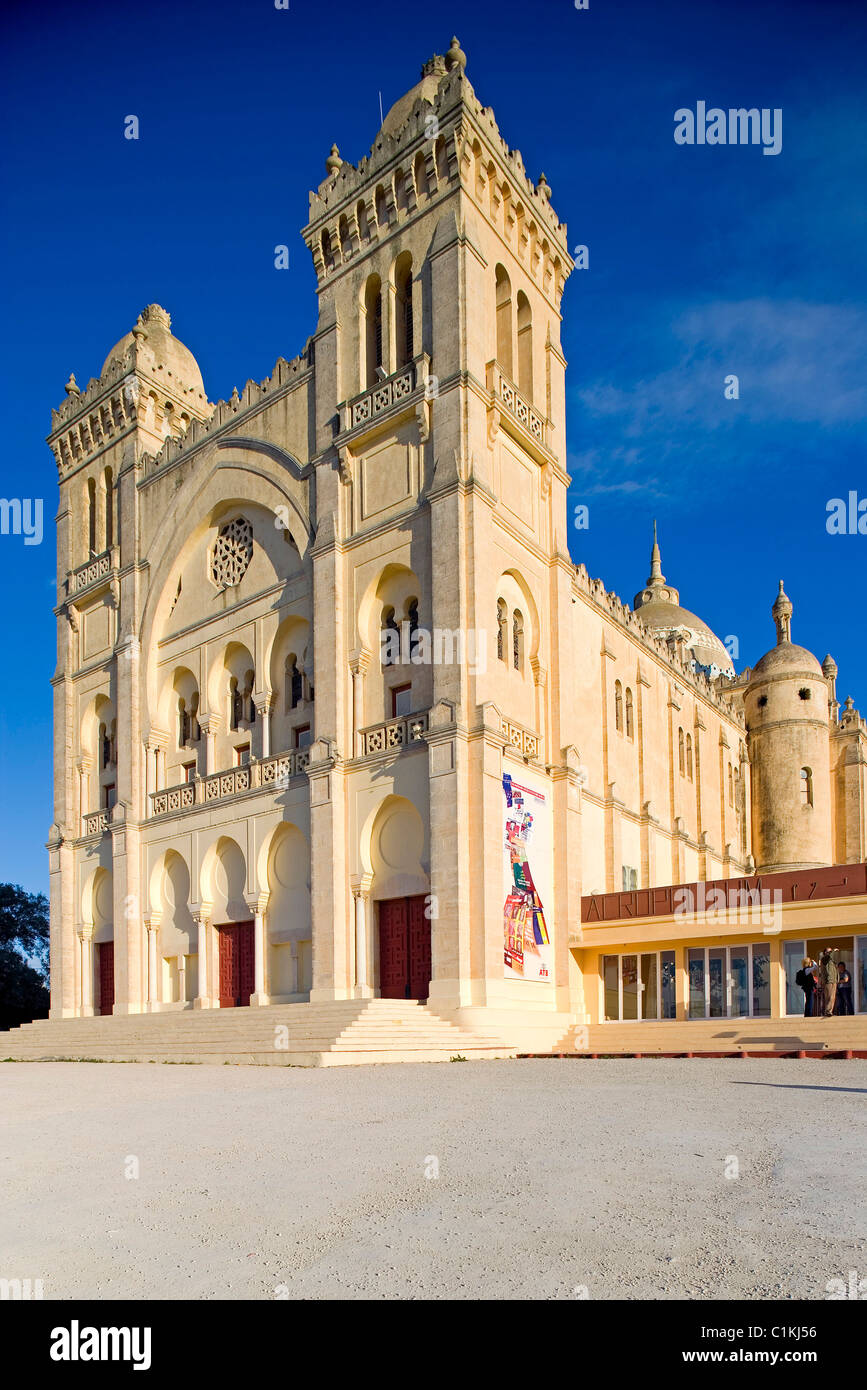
(827, 985)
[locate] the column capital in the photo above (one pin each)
(85, 931)
(360, 660)
(152, 921)
(257, 902)
(210, 723)
(264, 700)
(156, 738)
(201, 912)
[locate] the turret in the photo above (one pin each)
(787, 708)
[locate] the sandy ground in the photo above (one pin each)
(554, 1177)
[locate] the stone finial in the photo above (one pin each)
(333, 162)
(829, 667)
(139, 331)
(71, 387)
(782, 615)
(543, 188)
(456, 58)
(155, 313)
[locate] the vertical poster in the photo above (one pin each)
(527, 861)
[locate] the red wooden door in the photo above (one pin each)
(419, 948)
(236, 964)
(393, 949)
(106, 976)
(404, 949)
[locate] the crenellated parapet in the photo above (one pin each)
(436, 139)
(255, 397)
(674, 655)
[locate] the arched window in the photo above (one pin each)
(504, 320)
(183, 723)
(361, 220)
(806, 786)
(249, 708)
(373, 327)
(731, 786)
(108, 485)
(412, 617)
(404, 310)
(104, 746)
(517, 640)
(327, 252)
(502, 628)
(390, 646)
(689, 756)
(525, 346)
(195, 731)
(380, 208)
(630, 725)
(236, 704)
(422, 189)
(618, 707)
(294, 683)
(91, 516)
(681, 754)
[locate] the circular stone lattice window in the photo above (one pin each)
(233, 551)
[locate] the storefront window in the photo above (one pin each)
(649, 1003)
(793, 955)
(761, 981)
(696, 982)
(859, 975)
(612, 993)
(667, 972)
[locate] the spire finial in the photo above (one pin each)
(456, 58)
(333, 162)
(782, 615)
(656, 575)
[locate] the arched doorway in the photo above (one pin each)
(400, 891)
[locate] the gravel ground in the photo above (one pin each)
(553, 1177)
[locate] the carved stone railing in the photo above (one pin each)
(272, 773)
(526, 742)
(393, 734)
(89, 573)
(507, 395)
(96, 822)
(380, 398)
(173, 799)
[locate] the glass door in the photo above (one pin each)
(739, 975)
(717, 992)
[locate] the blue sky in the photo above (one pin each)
(704, 261)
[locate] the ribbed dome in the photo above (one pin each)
(159, 348)
(426, 89)
(658, 605)
(669, 619)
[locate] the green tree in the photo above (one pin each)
(23, 955)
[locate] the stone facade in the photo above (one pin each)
(230, 745)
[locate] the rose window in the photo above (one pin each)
(233, 552)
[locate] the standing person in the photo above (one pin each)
(844, 990)
(807, 981)
(827, 981)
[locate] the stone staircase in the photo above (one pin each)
(338, 1033)
(720, 1035)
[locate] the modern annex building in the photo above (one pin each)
(337, 717)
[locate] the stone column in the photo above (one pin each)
(264, 705)
(85, 766)
(85, 935)
(152, 925)
(182, 978)
(202, 918)
(359, 662)
(362, 906)
(210, 727)
(258, 905)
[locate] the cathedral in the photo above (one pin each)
(337, 718)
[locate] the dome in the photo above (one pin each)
(658, 605)
(786, 658)
(158, 350)
(425, 90)
(669, 619)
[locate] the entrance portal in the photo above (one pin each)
(404, 948)
(105, 964)
(236, 964)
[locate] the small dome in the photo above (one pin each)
(156, 347)
(400, 112)
(787, 658)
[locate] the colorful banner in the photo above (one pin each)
(527, 840)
